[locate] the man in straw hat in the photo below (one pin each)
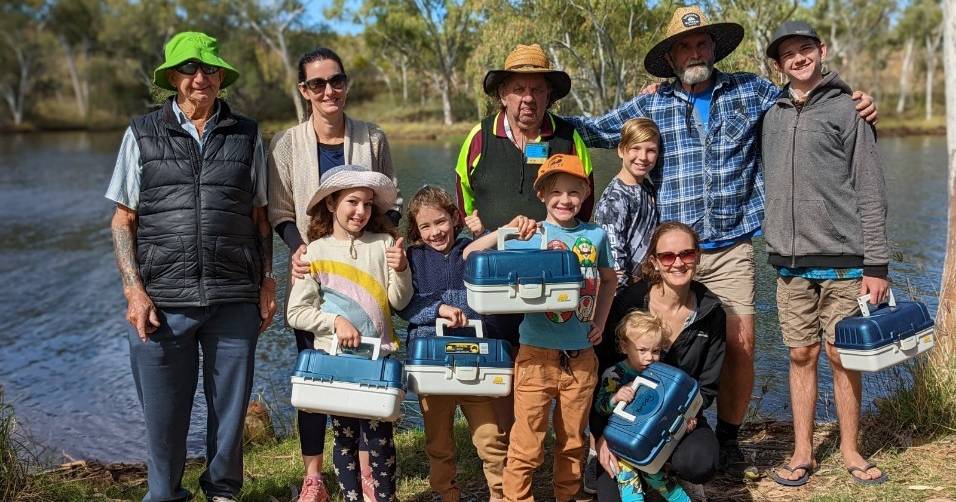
(194, 250)
(501, 155)
(709, 179)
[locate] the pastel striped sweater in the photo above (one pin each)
(364, 289)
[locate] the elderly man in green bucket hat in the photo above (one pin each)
(194, 251)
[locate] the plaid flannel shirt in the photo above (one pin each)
(709, 179)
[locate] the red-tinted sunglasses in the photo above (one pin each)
(686, 256)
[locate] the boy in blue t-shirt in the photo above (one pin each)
(556, 363)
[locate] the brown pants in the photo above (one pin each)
(487, 436)
(543, 376)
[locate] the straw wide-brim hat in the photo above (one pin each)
(192, 45)
(352, 176)
(529, 59)
(688, 20)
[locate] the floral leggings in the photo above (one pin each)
(349, 432)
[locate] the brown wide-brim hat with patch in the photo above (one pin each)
(689, 20)
(529, 59)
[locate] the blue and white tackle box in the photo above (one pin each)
(519, 281)
(459, 365)
(888, 335)
(645, 431)
(349, 385)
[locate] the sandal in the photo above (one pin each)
(792, 483)
(867, 482)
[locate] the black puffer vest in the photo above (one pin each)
(503, 182)
(196, 242)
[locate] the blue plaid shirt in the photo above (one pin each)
(708, 178)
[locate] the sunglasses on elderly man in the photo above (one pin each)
(317, 85)
(190, 68)
(686, 256)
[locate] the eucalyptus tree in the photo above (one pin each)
(435, 35)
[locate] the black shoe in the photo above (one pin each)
(734, 463)
(591, 467)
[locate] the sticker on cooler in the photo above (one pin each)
(459, 365)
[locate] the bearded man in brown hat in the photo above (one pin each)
(501, 155)
(708, 178)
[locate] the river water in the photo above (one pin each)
(63, 351)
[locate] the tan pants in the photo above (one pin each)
(487, 436)
(543, 376)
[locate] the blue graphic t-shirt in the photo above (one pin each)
(568, 330)
(701, 101)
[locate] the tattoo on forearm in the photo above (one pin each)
(124, 247)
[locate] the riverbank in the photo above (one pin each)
(433, 130)
(919, 470)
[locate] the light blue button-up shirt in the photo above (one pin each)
(125, 183)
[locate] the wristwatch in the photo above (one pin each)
(270, 275)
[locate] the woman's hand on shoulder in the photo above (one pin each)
(300, 267)
(395, 256)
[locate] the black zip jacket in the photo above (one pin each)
(698, 350)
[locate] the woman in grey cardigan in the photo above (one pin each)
(299, 156)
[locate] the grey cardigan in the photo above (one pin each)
(826, 199)
(294, 167)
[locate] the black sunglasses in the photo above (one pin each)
(190, 68)
(317, 85)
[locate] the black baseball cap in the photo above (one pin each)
(787, 30)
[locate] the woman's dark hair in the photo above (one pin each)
(650, 273)
(320, 54)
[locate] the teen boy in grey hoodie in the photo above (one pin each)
(825, 227)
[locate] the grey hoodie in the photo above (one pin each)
(826, 203)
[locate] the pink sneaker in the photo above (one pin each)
(313, 490)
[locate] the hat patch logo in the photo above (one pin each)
(690, 20)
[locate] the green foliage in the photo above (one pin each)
(90, 62)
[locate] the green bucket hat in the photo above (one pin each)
(192, 45)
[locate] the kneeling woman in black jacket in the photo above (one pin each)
(695, 344)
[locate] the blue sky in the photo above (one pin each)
(314, 14)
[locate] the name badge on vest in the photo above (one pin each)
(536, 153)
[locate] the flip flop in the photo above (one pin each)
(867, 482)
(793, 483)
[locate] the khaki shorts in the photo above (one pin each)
(729, 274)
(810, 308)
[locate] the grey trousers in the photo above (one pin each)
(166, 372)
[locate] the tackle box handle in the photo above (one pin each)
(864, 302)
(639, 381)
(441, 322)
(504, 232)
(376, 344)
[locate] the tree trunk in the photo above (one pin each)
(404, 66)
(80, 88)
(930, 67)
(906, 69)
(445, 88)
(946, 316)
